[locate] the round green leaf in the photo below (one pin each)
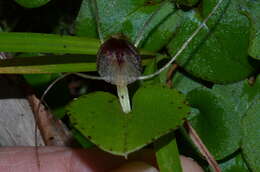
(221, 110)
(215, 124)
(251, 137)
(220, 49)
(156, 111)
(32, 3)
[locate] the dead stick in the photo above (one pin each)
(202, 148)
(170, 75)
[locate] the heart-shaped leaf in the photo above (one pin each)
(156, 111)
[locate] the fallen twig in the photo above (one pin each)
(202, 148)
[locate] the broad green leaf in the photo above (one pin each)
(156, 111)
(219, 107)
(239, 95)
(132, 17)
(185, 84)
(162, 34)
(251, 137)
(124, 17)
(32, 3)
(128, 18)
(252, 11)
(215, 124)
(235, 164)
(167, 154)
(85, 24)
(182, 83)
(220, 49)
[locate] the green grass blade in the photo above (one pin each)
(48, 64)
(167, 154)
(51, 64)
(49, 43)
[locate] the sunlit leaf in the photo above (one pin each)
(156, 111)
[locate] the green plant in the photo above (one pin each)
(213, 75)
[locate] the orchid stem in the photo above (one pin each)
(122, 92)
